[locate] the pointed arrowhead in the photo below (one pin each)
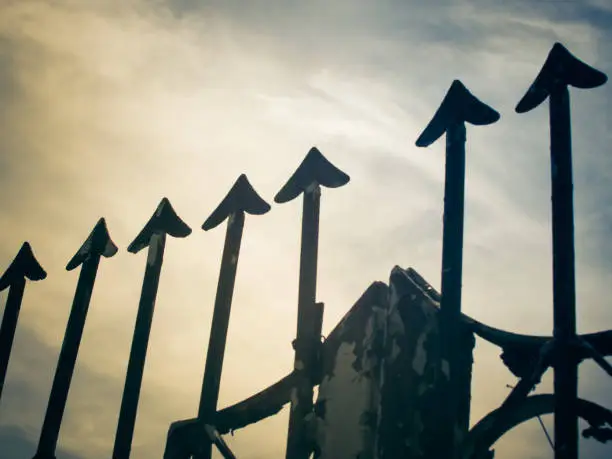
(164, 220)
(97, 243)
(241, 198)
(560, 68)
(314, 169)
(24, 265)
(458, 106)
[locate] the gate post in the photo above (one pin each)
(414, 375)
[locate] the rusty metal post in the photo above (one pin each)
(153, 235)
(459, 106)
(241, 199)
(561, 69)
(98, 244)
(314, 171)
(23, 267)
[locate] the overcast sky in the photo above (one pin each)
(109, 105)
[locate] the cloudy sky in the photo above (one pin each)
(109, 105)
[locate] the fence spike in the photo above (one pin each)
(24, 266)
(561, 69)
(458, 107)
(241, 199)
(164, 221)
(314, 171)
(97, 244)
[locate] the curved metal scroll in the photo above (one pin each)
(493, 426)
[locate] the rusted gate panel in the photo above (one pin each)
(414, 374)
(348, 399)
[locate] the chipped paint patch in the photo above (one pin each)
(445, 368)
(395, 325)
(311, 188)
(154, 248)
(420, 356)
(395, 351)
(294, 398)
(349, 392)
(410, 417)
(346, 394)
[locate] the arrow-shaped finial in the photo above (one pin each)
(97, 245)
(164, 220)
(242, 197)
(561, 68)
(314, 169)
(459, 105)
(153, 235)
(24, 265)
(98, 242)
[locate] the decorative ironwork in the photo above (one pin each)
(97, 245)
(409, 346)
(241, 199)
(458, 107)
(24, 266)
(153, 235)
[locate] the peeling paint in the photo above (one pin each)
(154, 246)
(348, 398)
(294, 399)
(445, 368)
(410, 417)
(420, 356)
(395, 325)
(312, 188)
(395, 351)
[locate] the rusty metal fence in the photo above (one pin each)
(408, 347)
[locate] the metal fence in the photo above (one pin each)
(528, 357)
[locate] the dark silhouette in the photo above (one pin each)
(24, 266)
(153, 235)
(458, 107)
(98, 244)
(241, 199)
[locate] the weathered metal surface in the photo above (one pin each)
(315, 168)
(458, 107)
(560, 70)
(164, 221)
(241, 199)
(186, 436)
(395, 374)
(493, 426)
(346, 409)
(520, 352)
(24, 266)
(314, 171)
(97, 245)
(415, 375)
(192, 438)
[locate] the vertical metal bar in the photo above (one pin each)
(564, 290)
(218, 333)
(67, 360)
(298, 446)
(9, 325)
(452, 264)
(138, 352)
